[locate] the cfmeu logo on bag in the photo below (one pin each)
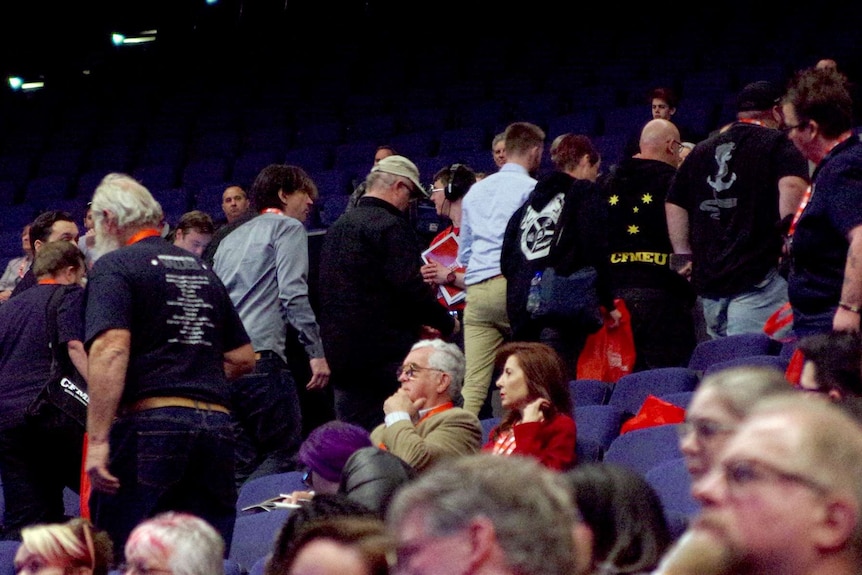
(69, 387)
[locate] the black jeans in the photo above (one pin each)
(35, 466)
(268, 420)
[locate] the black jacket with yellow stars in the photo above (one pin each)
(638, 243)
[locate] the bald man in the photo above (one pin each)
(659, 299)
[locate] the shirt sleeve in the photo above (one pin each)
(291, 264)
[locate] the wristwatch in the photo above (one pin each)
(450, 279)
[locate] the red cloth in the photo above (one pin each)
(552, 442)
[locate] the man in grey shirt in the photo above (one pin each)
(264, 266)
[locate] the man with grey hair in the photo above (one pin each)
(422, 423)
(373, 300)
(483, 514)
(785, 496)
(175, 543)
(164, 340)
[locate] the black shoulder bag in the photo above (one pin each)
(62, 402)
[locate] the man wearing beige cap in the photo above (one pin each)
(374, 303)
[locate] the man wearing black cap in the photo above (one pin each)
(374, 302)
(725, 212)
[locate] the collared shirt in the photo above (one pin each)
(264, 266)
(485, 212)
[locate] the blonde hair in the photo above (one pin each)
(75, 543)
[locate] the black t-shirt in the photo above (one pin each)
(638, 242)
(179, 314)
(25, 358)
(819, 248)
(729, 186)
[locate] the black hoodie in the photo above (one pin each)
(562, 224)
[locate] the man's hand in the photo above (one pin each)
(400, 401)
(97, 467)
(319, 373)
(434, 273)
(845, 320)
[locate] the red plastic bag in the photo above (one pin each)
(654, 412)
(609, 353)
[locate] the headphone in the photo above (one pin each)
(460, 179)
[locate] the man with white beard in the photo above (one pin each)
(163, 340)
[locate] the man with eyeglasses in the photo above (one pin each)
(483, 514)
(725, 209)
(660, 301)
(825, 282)
(422, 423)
(373, 300)
(784, 498)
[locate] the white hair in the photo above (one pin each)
(192, 546)
(448, 358)
(130, 203)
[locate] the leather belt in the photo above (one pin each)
(159, 402)
(265, 354)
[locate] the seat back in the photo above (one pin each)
(643, 449)
(631, 390)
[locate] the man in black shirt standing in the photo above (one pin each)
(163, 339)
(725, 208)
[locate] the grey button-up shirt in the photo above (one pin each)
(264, 266)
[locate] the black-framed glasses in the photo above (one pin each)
(787, 128)
(705, 429)
(411, 369)
(743, 473)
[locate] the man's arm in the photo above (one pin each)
(239, 361)
(790, 192)
(291, 263)
(851, 290)
(677, 228)
(78, 357)
(107, 365)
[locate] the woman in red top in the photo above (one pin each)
(535, 392)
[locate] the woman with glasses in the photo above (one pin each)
(719, 405)
(74, 547)
(534, 392)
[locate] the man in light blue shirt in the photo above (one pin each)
(264, 266)
(486, 210)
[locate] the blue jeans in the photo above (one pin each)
(268, 420)
(169, 459)
(746, 312)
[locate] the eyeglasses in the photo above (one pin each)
(704, 429)
(788, 128)
(744, 473)
(410, 370)
(435, 190)
(140, 568)
(308, 479)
